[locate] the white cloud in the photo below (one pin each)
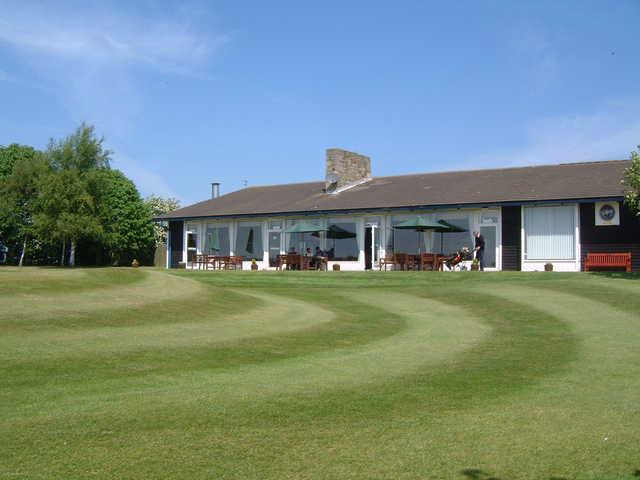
(108, 37)
(609, 134)
(92, 58)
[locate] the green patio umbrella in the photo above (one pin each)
(305, 227)
(249, 247)
(420, 224)
(336, 232)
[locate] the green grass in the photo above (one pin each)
(143, 374)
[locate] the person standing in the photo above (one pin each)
(479, 249)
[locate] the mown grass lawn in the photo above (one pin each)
(143, 374)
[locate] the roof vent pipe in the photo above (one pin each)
(215, 190)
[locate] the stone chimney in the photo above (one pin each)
(345, 169)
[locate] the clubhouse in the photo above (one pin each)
(529, 216)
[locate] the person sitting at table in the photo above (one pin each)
(319, 252)
(292, 249)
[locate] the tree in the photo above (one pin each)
(632, 182)
(69, 212)
(81, 151)
(159, 206)
(10, 154)
(20, 198)
(127, 229)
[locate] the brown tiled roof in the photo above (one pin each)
(569, 181)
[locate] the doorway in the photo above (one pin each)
(274, 248)
(368, 242)
(490, 240)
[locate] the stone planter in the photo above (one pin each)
(335, 267)
(254, 266)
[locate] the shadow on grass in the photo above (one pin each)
(477, 474)
(616, 274)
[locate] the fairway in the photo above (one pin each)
(144, 374)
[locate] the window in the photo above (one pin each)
(216, 240)
(249, 241)
(192, 242)
(407, 240)
(550, 233)
(342, 241)
(299, 242)
(451, 242)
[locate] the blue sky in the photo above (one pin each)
(187, 93)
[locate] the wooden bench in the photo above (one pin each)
(599, 260)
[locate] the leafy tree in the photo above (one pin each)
(632, 182)
(127, 229)
(159, 206)
(10, 154)
(67, 211)
(19, 198)
(81, 151)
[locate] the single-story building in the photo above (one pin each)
(529, 216)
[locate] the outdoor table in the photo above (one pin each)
(294, 261)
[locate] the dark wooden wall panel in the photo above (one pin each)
(610, 239)
(176, 241)
(511, 247)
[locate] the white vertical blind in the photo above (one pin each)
(550, 233)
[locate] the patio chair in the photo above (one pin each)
(235, 262)
(293, 261)
(199, 261)
(427, 261)
(281, 261)
(389, 259)
(402, 259)
(209, 262)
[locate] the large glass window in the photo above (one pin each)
(299, 242)
(550, 233)
(216, 240)
(407, 240)
(342, 240)
(451, 242)
(249, 241)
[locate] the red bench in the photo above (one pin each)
(598, 260)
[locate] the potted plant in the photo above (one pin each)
(254, 264)
(135, 263)
(475, 264)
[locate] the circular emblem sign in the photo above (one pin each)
(607, 212)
